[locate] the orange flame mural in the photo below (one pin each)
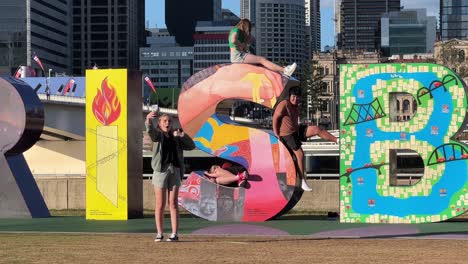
(106, 104)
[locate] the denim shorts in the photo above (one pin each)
(167, 179)
(238, 56)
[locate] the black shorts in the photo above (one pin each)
(294, 140)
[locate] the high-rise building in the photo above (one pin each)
(312, 20)
(211, 43)
(107, 33)
(454, 19)
(280, 30)
(164, 62)
(217, 10)
(337, 20)
(247, 10)
(40, 27)
(360, 23)
(407, 32)
(182, 17)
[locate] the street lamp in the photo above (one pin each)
(47, 89)
(173, 88)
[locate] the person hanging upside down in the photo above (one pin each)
(227, 175)
(240, 38)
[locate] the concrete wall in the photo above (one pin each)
(324, 197)
(63, 192)
(57, 158)
(69, 193)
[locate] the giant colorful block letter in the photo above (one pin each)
(272, 185)
(369, 135)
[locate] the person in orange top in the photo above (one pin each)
(288, 130)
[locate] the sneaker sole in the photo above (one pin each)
(243, 184)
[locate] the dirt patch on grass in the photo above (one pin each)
(140, 248)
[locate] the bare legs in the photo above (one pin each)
(300, 161)
(254, 59)
(317, 131)
(159, 206)
(174, 208)
(222, 176)
(226, 179)
(299, 153)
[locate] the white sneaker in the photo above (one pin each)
(173, 238)
(159, 237)
(289, 70)
(305, 186)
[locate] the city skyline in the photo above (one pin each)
(155, 14)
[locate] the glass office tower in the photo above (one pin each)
(30, 27)
(454, 19)
(360, 23)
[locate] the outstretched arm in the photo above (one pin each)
(154, 133)
(186, 142)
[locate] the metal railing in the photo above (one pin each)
(62, 99)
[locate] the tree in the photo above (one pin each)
(453, 57)
(153, 98)
(313, 87)
(165, 97)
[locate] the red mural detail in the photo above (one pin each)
(243, 150)
(106, 104)
(190, 188)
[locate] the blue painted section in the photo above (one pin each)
(226, 152)
(453, 178)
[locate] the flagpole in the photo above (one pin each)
(150, 84)
(38, 61)
(173, 97)
(157, 98)
(48, 82)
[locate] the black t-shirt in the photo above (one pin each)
(169, 153)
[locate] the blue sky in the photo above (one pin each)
(155, 13)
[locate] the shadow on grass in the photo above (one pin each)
(292, 215)
(307, 215)
(146, 213)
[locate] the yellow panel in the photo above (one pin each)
(107, 171)
(106, 144)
